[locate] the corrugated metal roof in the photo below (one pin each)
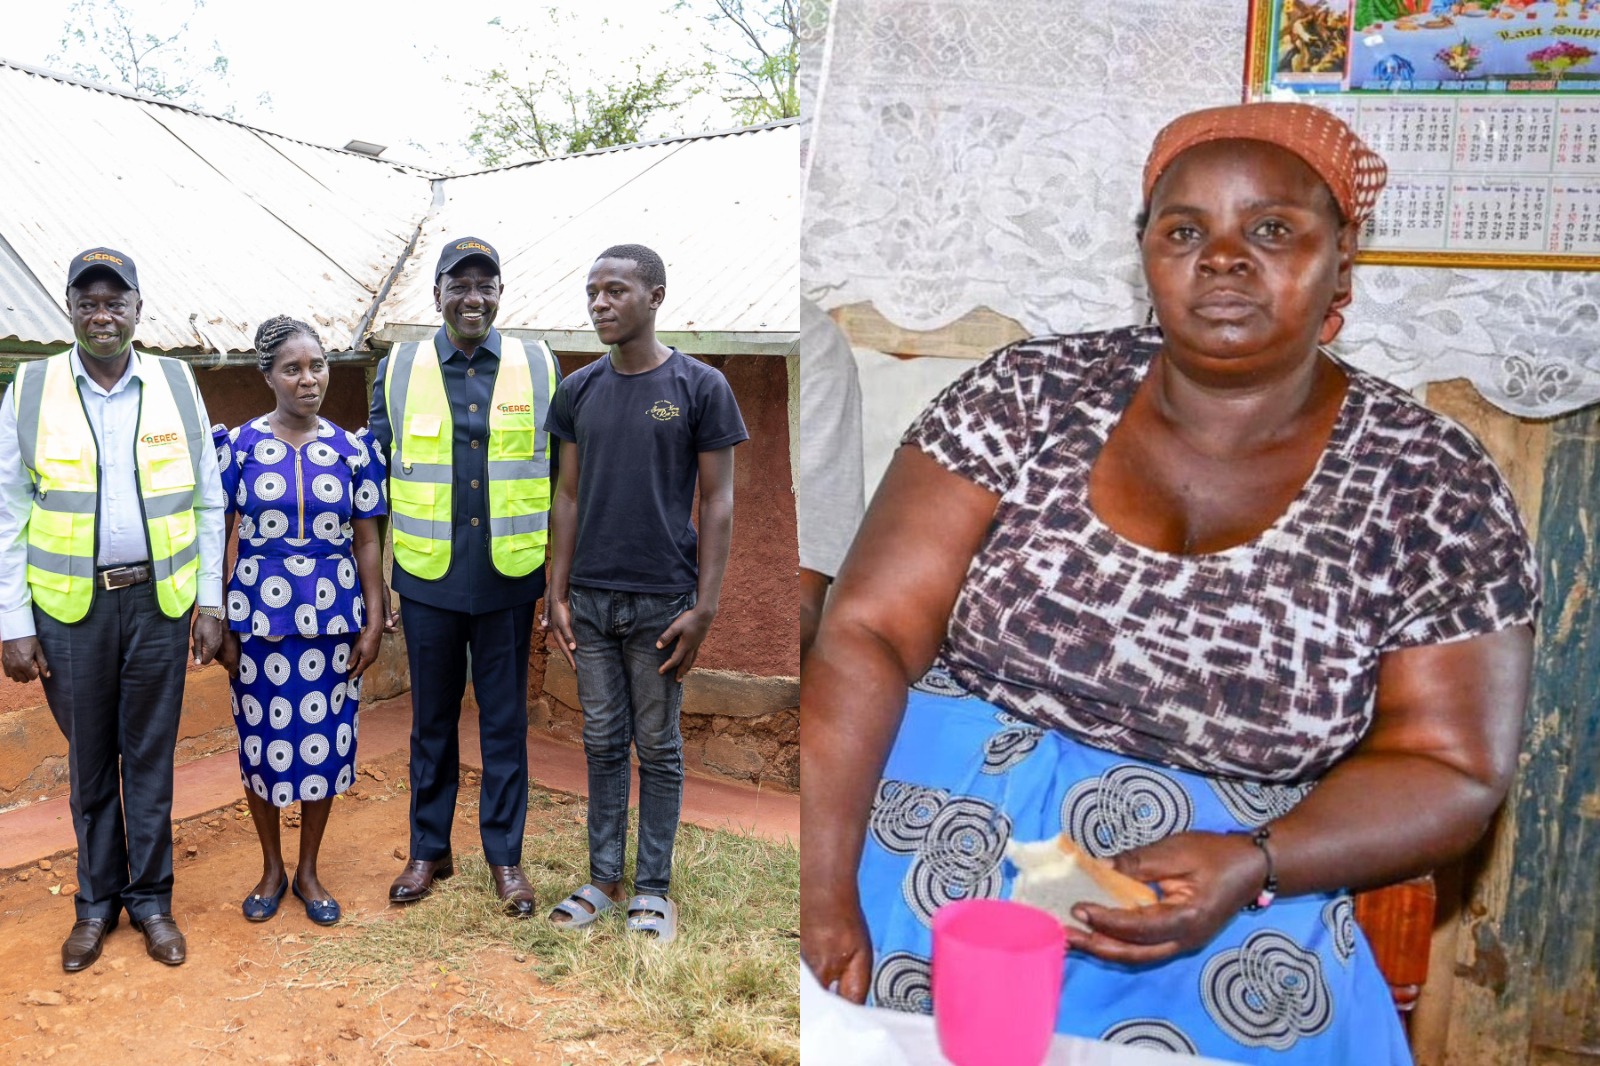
(229, 224)
(722, 211)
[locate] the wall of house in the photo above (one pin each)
(235, 395)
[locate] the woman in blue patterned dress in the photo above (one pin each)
(305, 497)
(1248, 622)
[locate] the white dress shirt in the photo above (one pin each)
(114, 418)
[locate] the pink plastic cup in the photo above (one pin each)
(997, 970)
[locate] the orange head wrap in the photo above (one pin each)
(1354, 173)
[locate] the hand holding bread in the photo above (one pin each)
(1056, 875)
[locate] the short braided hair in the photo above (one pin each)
(652, 271)
(271, 334)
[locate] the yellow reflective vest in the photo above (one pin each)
(61, 456)
(421, 458)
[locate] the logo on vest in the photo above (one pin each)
(465, 245)
(513, 408)
(664, 410)
(101, 257)
(153, 439)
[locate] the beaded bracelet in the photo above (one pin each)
(1269, 887)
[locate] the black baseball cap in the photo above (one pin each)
(464, 248)
(103, 259)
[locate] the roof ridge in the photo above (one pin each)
(731, 131)
(67, 79)
(111, 90)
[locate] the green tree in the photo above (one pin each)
(104, 42)
(542, 112)
(755, 54)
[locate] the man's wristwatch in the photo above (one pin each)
(211, 612)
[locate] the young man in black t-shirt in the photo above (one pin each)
(633, 588)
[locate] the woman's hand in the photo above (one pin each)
(366, 650)
(834, 943)
(1205, 879)
(228, 652)
(391, 617)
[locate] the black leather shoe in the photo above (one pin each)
(83, 944)
(417, 879)
(162, 940)
(511, 884)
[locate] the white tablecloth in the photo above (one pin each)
(834, 1032)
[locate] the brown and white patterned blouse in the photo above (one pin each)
(1259, 661)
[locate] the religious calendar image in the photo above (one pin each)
(1486, 111)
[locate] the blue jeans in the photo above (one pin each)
(626, 701)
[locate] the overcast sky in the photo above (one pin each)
(382, 70)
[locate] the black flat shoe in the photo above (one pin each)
(321, 911)
(259, 908)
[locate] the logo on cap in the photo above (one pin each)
(101, 257)
(467, 245)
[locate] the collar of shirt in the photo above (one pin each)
(448, 351)
(134, 369)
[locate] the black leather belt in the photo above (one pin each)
(121, 577)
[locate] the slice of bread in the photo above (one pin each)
(1054, 875)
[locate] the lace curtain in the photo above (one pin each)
(987, 153)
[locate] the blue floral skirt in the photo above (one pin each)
(296, 711)
(1295, 983)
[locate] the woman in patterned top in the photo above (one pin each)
(306, 497)
(1167, 580)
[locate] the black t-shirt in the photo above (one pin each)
(639, 439)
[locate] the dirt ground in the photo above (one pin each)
(242, 996)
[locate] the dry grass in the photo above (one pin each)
(725, 992)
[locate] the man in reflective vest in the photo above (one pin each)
(111, 536)
(459, 419)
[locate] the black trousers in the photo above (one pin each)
(116, 691)
(436, 649)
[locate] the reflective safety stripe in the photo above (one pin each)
(427, 473)
(57, 563)
(183, 394)
(29, 390)
(522, 523)
(538, 354)
(164, 506)
(66, 501)
(166, 568)
(517, 469)
(395, 390)
(421, 527)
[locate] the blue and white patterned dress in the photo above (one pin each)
(295, 599)
(1294, 983)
